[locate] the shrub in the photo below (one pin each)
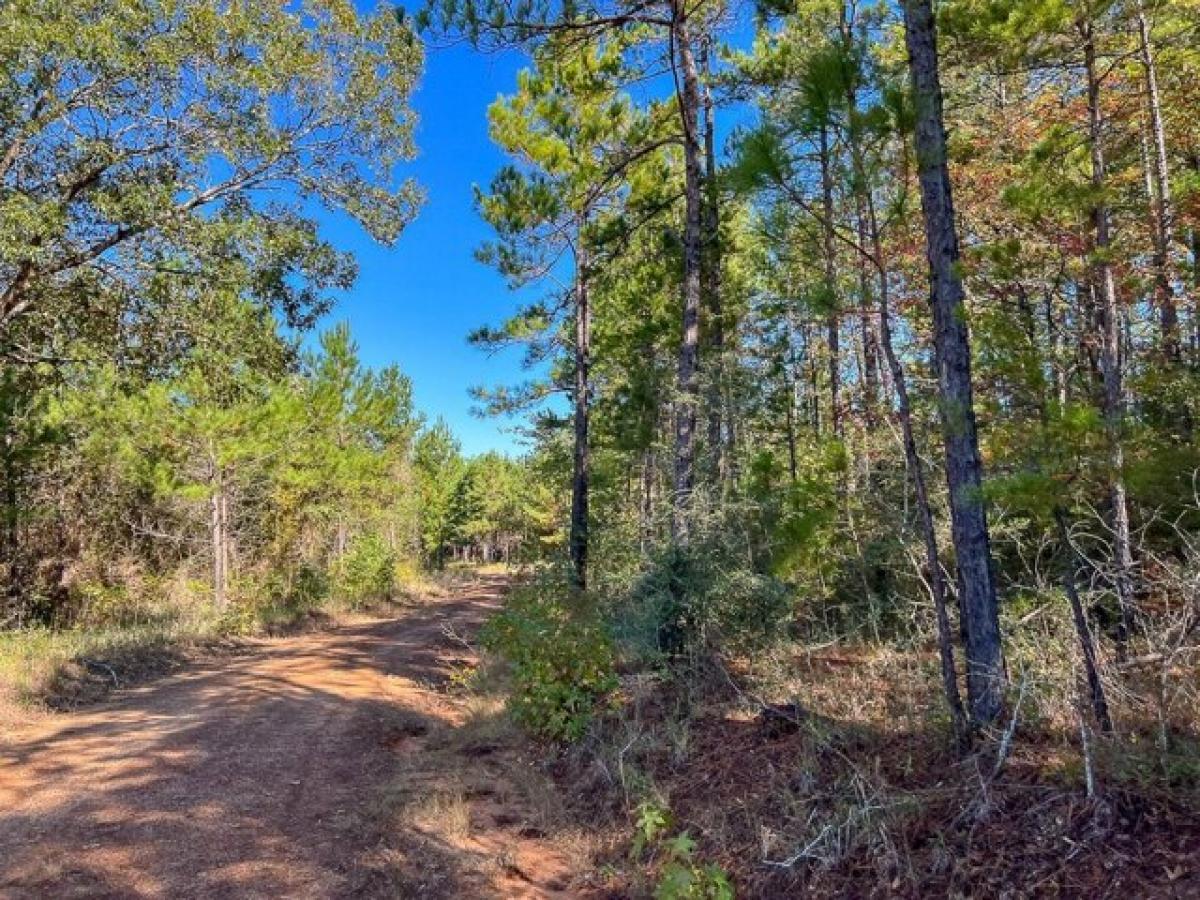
(561, 660)
(367, 572)
(695, 598)
(683, 878)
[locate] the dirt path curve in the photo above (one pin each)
(257, 775)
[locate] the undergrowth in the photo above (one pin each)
(730, 751)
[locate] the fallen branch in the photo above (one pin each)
(96, 664)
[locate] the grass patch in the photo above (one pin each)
(62, 668)
(473, 809)
(65, 668)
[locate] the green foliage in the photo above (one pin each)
(561, 657)
(146, 133)
(690, 600)
(681, 876)
(653, 821)
(366, 573)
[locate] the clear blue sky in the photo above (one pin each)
(415, 303)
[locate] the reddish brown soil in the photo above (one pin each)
(259, 775)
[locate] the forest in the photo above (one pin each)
(854, 545)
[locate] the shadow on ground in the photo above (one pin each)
(253, 776)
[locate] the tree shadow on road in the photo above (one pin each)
(253, 776)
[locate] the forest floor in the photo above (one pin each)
(318, 765)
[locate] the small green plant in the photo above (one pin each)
(682, 876)
(239, 619)
(562, 661)
(653, 821)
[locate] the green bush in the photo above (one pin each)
(367, 572)
(561, 659)
(696, 598)
(683, 878)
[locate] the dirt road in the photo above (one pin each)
(257, 775)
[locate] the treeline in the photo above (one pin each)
(169, 437)
(918, 346)
(244, 484)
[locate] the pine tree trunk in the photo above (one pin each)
(711, 281)
(646, 510)
(217, 504)
(870, 338)
(833, 322)
(9, 539)
(870, 343)
(916, 469)
(952, 350)
(1196, 293)
(1110, 353)
(686, 402)
(1087, 645)
(582, 457)
(1164, 280)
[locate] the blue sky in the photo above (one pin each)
(415, 303)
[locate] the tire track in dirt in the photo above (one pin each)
(258, 775)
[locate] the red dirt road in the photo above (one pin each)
(257, 775)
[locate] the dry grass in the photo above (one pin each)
(41, 666)
(865, 796)
(62, 668)
(474, 810)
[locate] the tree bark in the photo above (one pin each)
(219, 557)
(9, 541)
(866, 231)
(1196, 294)
(828, 253)
(952, 350)
(1087, 646)
(1162, 210)
(916, 469)
(582, 457)
(646, 510)
(1110, 351)
(711, 280)
(686, 402)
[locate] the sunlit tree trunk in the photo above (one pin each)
(711, 277)
(686, 401)
(582, 399)
(1163, 232)
(1110, 352)
(829, 258)
(952, 350)
(219, 512)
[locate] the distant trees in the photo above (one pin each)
(314, 480)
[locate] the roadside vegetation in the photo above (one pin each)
(881, 457)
